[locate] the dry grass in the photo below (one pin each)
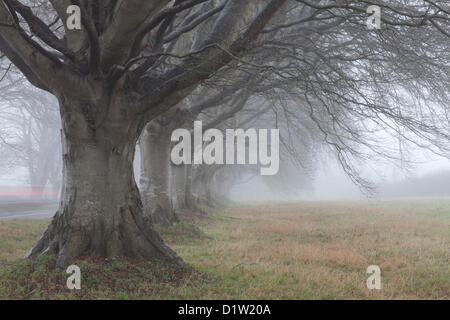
(307, 250)
(322, 249)
(16, 237)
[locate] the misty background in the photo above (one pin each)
(423, 175)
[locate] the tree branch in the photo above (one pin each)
(194, 69)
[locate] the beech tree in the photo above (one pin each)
(155, 145)
(106, 101)
(298, 150)
(122, 69)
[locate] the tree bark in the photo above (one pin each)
(208, 189)
(199, 185)
(186, 199)
(155, 167)
(100, 211)
(195, 189)
(220, 188)
(204, 183)
(178, 186)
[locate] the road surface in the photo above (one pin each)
(35, 214)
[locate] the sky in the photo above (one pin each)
(331, 183)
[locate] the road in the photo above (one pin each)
(34, 214)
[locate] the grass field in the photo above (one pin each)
(306, 250)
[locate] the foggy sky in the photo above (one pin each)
(330, 182)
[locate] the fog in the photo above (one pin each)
(428, 176)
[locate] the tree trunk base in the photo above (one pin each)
(160, 216)
(196, 205)
(129, 234)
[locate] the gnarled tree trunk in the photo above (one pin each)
(100, 212)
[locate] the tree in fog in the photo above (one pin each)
(216, 93)
(31, 135)
(108, 91)
(157, 174)
(298, 151)
(119, 73)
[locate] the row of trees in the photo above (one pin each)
(138, 69)
(31, 140)
(30, 136)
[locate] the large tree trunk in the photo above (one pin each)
(211, 194)
(190, 198)
(182, 192)
(199, 185)
(178, 186)
(208, 190)
(220, 188)
(204, 186)
(154, 180)
(196, 190)
(100, 211)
